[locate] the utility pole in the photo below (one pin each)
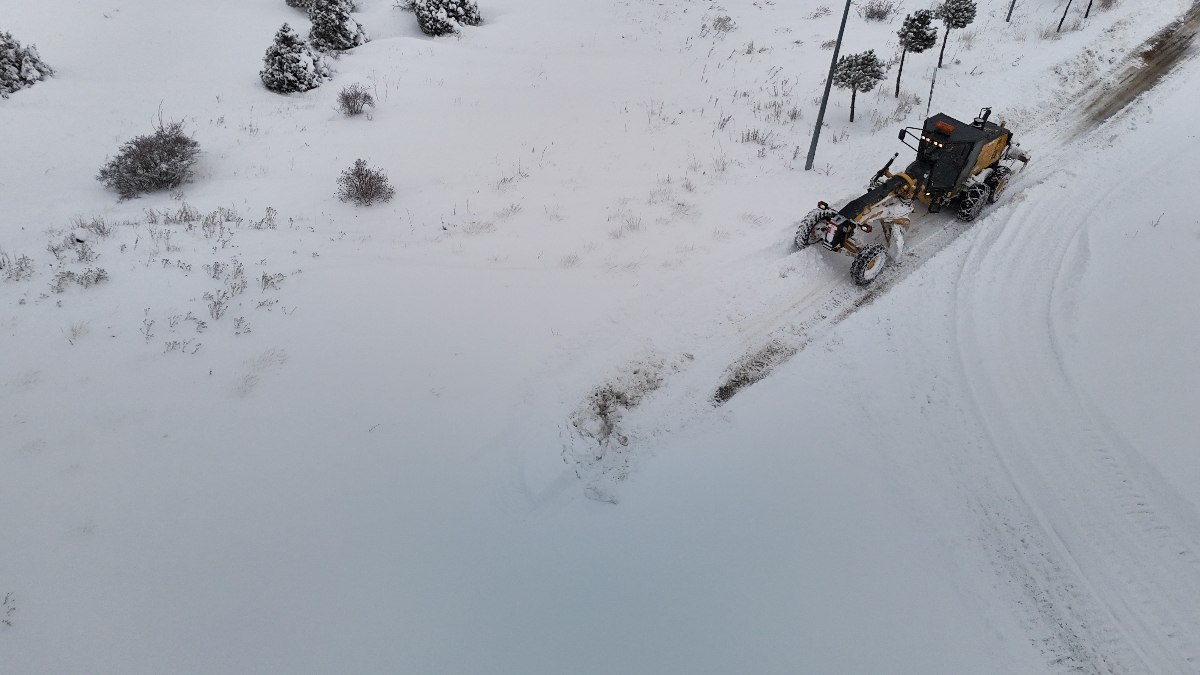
(929, 101)
(1089, 10)
(1008, 18)
(837, 47)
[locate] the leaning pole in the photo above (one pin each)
(812, 149)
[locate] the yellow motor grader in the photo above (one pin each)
(958, 165)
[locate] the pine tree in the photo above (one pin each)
(291, 65)
(441, 17)
(916, 35)
(955, 14)
(333, 29)
(20, 67)
(301, 4)
(858, 72)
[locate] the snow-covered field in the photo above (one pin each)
(488, 427)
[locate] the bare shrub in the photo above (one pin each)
(75, 331)
(364, 185)
(820, 11)
(756, 136)
(97, 226)
(7, 608)
(85, 279)
(267, 222)
(84, 253)
(723, 24)
(352, 100)
(186, 214)
(1053, 33)
(18, 269)
(158, 161)
(270, 281)
(878, 10)
(218, 303)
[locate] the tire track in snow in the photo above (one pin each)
(782, 342)
(764, 341)
(1113, 577)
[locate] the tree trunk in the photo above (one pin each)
(943, 53)
(1064, 16)
(932, 84)
(901, 70)
(853, 95)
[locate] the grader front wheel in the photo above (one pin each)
(868, 264)
(806, 229)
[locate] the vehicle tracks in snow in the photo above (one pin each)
(842, 299)
(1104, 555)
(721, 360)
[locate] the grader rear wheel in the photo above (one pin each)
(997, 182)
(973, 202)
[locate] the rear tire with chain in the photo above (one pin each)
(868, 264)
(997, 182)
(973, 201)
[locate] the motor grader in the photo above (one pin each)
(958, 165)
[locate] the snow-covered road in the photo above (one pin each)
(480, 429)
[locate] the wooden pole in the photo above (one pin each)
(929, 102)
(837, 47)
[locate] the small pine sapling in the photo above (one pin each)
(955, 14)
(917, 34)
(290, 65)
(20, 67)
(443, 17)
(333, 29)
(858, 72)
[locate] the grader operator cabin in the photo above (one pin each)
(958, 165)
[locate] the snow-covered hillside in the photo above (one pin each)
(571, 403)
